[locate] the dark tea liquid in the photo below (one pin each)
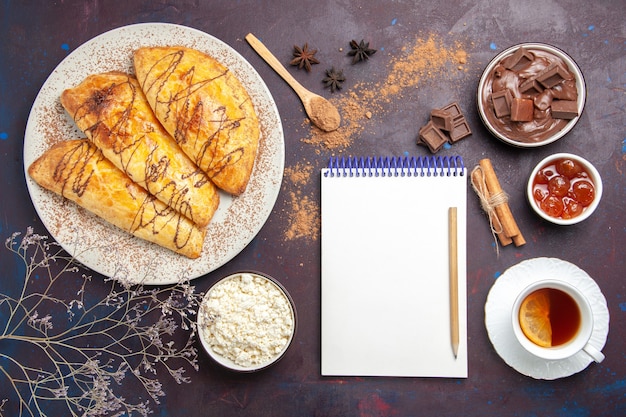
(564, 316)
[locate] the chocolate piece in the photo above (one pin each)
(565, 91)
(530, 87)
(554, 74)
(502, 102)
(454, 110)
(522, 110)
(460, 130)
(442, 119)
(518, 60)
(564, 109)
(432, 137)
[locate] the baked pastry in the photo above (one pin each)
(114, 114)
(77, 170)
(205, 108)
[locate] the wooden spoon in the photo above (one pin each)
(321, 112)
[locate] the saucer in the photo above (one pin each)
(498, 316)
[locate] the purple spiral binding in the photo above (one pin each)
(417, 166)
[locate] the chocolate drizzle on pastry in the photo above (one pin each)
(77, 170)
(205, 108)
(114, 114)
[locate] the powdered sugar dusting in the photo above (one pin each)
(109, 250)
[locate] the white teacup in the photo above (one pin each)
(579, 341)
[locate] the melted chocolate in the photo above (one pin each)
(523, 82)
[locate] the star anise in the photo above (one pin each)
(334, 79)
(303, 57)
(360, 51)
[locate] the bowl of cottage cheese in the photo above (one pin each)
(246, 321)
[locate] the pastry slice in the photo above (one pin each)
(77, 170)
(205, 108)
(114, 114)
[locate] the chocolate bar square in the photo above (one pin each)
(518, 60)
(502, 102)
(564, 109)
(432, 137)
(522, 110)
(554, 74)
(460, 130)
(530, 86)
(454, 110)
(442, 119)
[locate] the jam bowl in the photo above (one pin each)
(246, 321)
(530, 95)
(564, 189)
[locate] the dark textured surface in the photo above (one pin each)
(36, 36)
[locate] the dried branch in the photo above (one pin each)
(78, 350)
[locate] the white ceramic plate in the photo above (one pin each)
(498, 316)
(109, 250)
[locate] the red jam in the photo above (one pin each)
(563, 188)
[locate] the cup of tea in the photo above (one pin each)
(553, 320)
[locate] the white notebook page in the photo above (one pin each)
(385, 276)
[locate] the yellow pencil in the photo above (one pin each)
(454, 280)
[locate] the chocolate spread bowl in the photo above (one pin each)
(545, 76)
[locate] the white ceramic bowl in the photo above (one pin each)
(484, 88)
(593, 175)
(246, 321)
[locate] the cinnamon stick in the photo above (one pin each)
(479, 182)
(503, 211)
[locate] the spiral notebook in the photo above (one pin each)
(385, 306)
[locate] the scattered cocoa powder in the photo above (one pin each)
(300, 173)
(304, 219)
(421, 61)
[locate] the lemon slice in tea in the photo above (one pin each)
(534, 318)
